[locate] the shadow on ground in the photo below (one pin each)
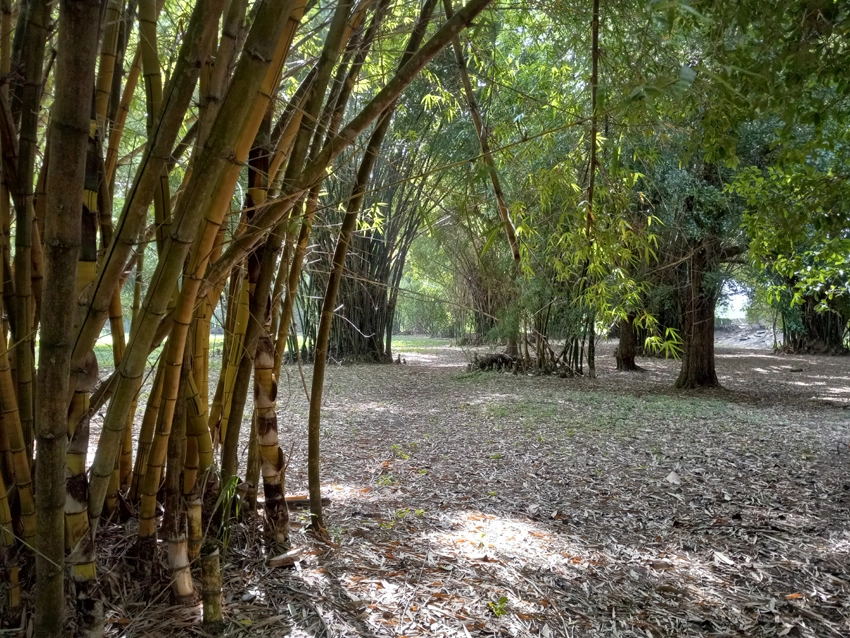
(486, 504)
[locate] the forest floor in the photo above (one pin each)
(486, 504)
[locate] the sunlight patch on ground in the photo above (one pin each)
(369, 406)
(841, 390)
(417, 358)
(750, 355)
(512, 547)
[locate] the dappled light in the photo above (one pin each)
(337, 318)
(495, 503)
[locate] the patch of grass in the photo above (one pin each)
(418, 343)
(498, 411)
(385, 480)
(529, 412)
(623, 415)
(474, 376)
(399, 452)
(499, 607)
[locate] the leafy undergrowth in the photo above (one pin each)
(486, 504)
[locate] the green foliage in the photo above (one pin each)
(421, 308)
(499, 607)
(385, 480)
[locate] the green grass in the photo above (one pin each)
(418, 343)
(103, 352)
(622, 415)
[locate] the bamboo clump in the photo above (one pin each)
(170, 438)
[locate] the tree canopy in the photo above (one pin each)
(197, 193)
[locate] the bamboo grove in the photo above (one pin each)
(232, 96)
(191, 191)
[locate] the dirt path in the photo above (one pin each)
(486, 504)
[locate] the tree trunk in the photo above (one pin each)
(698, 327)
(627, 348)
(813, 331)
(512, 349)
(591, 346)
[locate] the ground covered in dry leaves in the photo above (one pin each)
(485, 504)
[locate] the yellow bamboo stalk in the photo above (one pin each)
(37, 253)
(7, 533)
(12, 424)
(213, 85)
(199, 456)
(76, 482)
(284, 143)
(5, 68)
(40, 195)
(174, 523)
(146, 434)
(106, 67)
(148, 13)
(37, 273)
(195, 525)
(5, 41)
(249, 488)
(310, 207)
(201, 334)
(76, 485)
(114, 486)
(27, 95)
(237, 343)
(117, 130)
(211, 592)
(231, 301)
(280, 278)
(125, 465)
(188, 231)
(271, 456)
(199, 257)
(199, 445)
(5, 454)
